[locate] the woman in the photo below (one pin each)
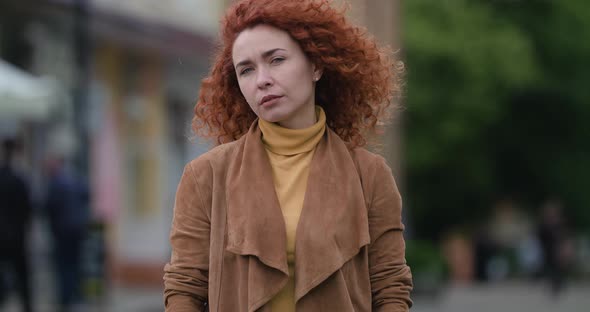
(290, 213)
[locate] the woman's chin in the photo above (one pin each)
(271, 117)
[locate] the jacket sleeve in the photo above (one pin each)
(391, 278)
(186, 275)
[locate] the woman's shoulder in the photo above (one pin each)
(365, 159)
(217, 157)
(362, 157)
(370, 166)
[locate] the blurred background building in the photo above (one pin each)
(491, 152)
(120, 79)
(127, 73)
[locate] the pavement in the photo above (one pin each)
(118, 300)
(504, 297)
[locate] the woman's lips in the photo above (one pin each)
(269, 100)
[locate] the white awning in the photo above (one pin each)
(24, 96)
(198, 16)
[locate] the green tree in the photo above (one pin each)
(552, 113)
(463, 65)
(496, 105)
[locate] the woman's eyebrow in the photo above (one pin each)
(265, 54)
(271, 52)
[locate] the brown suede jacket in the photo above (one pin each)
(229, 244)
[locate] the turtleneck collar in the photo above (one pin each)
(284, 141)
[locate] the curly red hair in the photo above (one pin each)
(357, 85)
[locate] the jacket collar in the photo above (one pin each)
(333, 225)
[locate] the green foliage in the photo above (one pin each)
(495, 106)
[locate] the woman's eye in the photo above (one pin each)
(245, 70)
(277, 60)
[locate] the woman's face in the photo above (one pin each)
(275, 76)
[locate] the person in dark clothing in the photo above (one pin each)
(15, 218)
(484, 251)
(67, 211)
(552, 233)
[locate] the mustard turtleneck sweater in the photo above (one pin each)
(290, 152)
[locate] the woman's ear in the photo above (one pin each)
(317, 72)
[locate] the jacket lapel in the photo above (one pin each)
(332, 228)
(255, 221)
(334, 224)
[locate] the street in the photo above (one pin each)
(515, 297)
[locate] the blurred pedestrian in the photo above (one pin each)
(15, 219)
(484, 251)
(553, 236)
(67, 210)
(292, 93)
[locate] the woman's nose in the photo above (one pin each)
(263, 78)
